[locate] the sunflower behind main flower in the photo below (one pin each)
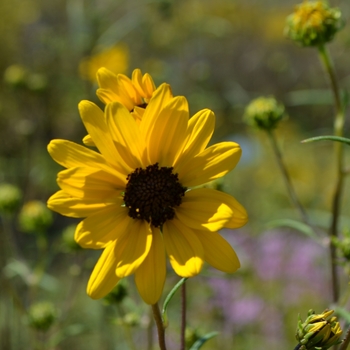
(134, 93)
(135, 197)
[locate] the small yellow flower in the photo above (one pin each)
(313, 23)
(135, 194)
(115, 58)
(319, 331)
(134, 93)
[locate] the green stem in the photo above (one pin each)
(128, 335)
(339, 156)
(286, 177)
(160, 327)
(183, 316)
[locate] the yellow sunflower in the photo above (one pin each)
(135, 194)
(133, 93)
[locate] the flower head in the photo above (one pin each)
(115, 58)
(319, 331)
(135, 193)
(264, 113)
(42, 315)
(313, 23)
(134, 93)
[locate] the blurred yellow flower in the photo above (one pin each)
(115, 58)
(135, 197)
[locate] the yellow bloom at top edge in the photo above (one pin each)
(135, 198)
(115, 59)
(313, 23)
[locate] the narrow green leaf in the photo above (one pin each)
(198, 344)
(297, 225)
(343, 313)
(329, 138)
(168, 298)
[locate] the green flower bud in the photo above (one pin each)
(318, 332)
(35, 217)
(313, 23)
(343, 244)
(117, 295)
(69, 243)
(16, 75)
(10, 198)
(264, 113)
(42, 315)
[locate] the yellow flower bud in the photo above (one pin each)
(313, 23)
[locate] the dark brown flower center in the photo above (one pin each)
(151, 194)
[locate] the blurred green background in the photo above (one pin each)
(220, 54)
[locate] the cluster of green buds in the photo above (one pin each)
(35, 217)
(17, 75)
(42, 315)
(343, 244)
(318, 331)
(10, 198)
(117, 295)
(264, 113)
(313, 23)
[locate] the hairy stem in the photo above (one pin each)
(339, 157)
(160, 327)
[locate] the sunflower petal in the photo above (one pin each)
(213, 163)
(150, 276)
(168, 134)
(71, 155)
(184, 249)
(200, 129)
(101, 228)
(128, 139)
(133, 247)
(89, 183)
(94, 121)
(63, 203)
(217, 251)
(205, 208)
(103, 278)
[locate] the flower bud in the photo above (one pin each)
(313, 23)
(42, 315)
(10, 198)
(264, 113)
(35, 217)
(319, 331)
(16, 75)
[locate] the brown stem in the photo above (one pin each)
(160, 327)
(346, 341)
(183, 316)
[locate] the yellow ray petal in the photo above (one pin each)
(159, 99)
(128, 139)
(205, 208)
(71, 155)
(184, 249)
(150, 276)
(106, 79)
(103, 278)
(217, 251)
(133, 247)
(87, 140)
(126, 85)
(63, 203)
(89, 183)
(168, 134)
(200, 129)
(101, 228)
(148, 86)
(213, 163)
(94, 121)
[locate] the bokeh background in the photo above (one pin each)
(220, 54)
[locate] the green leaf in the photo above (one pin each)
(198, 344)
(297, 225)
(343, 313)
(329, 138)
(168, 298)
